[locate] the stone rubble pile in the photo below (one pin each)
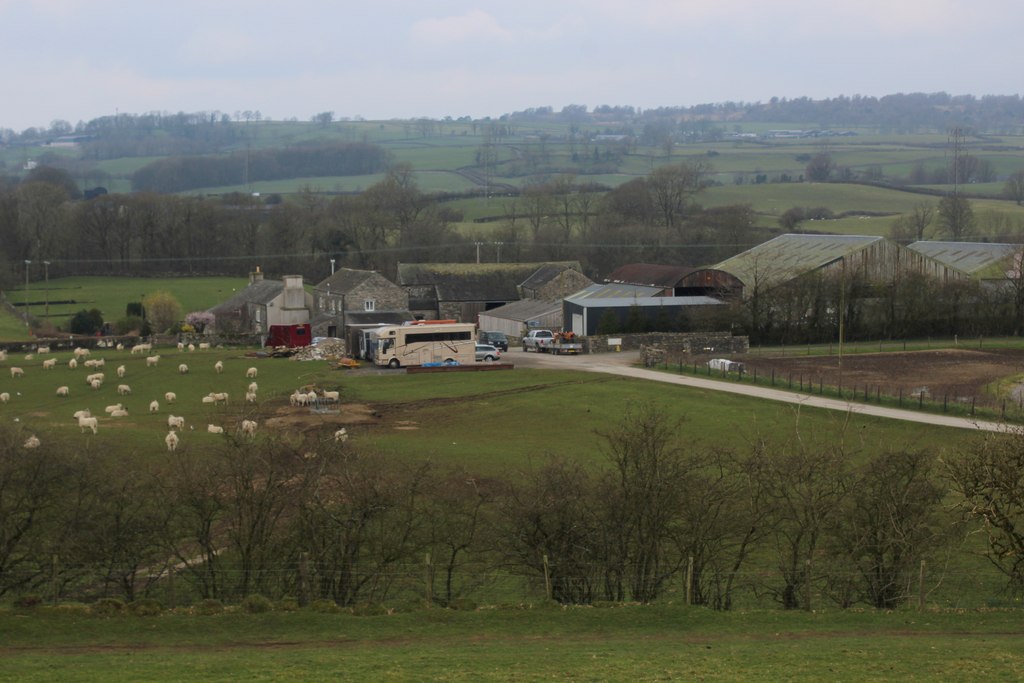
(326, 350)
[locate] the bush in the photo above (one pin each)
(462, 604)
(325, 606)
(129, 324)
(30, 601)
(146, 607)
(86, 322)
(369, 609)
(287, 605)
(72, 609)
(208, 607)
(107, 607)
(257, 604)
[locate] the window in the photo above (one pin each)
(369, 305)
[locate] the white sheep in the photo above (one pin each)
(300, 398)
(341, 436)
(215, 429)
(81, 413)
(124, 390)
(29, 356)
(121, 370)
(151, 361)
(89, 379)
(17, 372)
(208, 399)
(170, 397)
(110, 409)
(142, 348)
(43, 349)
(121, 412)
(311, 397)
(251, 373)
(171, 440)
(49, 363)
(204, 345)
(219, 367)
(175, 422)
(248, 428)
(99, 363)
(191, 347)
(96, 383)
(80, 352)
(154, 406)
(63, 391)
(181, 346)
(88, 423)
(5, 397)
(253, 387)
(32, 442)
(332, 396)
(3, 354)
(120, 346)
(220, 397)
(183, 369)
(250, 397)
(73, 364)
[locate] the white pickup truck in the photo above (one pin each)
(545, 341)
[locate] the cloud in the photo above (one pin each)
(475, 26)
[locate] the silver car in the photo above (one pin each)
(487, 353)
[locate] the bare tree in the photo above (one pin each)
(957, 216)
(1014, 188)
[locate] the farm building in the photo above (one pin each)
(263, 303)
(989, 263)
(462, 291)
(350, 301)
(788, 257)
(601, 309)
(678, 280)
(517, 318)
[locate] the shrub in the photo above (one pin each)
(129, 324)
(146, 607)
(325, 606)
(287, 605)
(208, 607)
(86, 322)
(107, 607)
(369, 609)
(462, 604)
(72, 609)
(257, 604)
(30, 601)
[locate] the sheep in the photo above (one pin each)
(299, 398)
(3, 354)
(17, 372)
(91, 363)
(341, 436)
(219, 367)
(311, 397)
(204, 345)
(29, 356)
(5, 397)
(96, 383)
(88, 423)
(253, 387)
(124, 390)
(171, 440)
(110, 409)
(220, 397)
(72, 364)
(89, 379)
(333, 396)
(151, 361)
(32, 442)
(248, 428)
(121, 370)
(175, 422)
(141, 348)
(43, 349)
(82, 413)
(120, 346)
(119, 413)
(154, 406)
(80, 352)
(49, 363)
(63, 391)
(208, 399)
(191, 348)
(214, 429)
(251, 373)
(183, 369)
(99, 363)
(293, 398)
(181, 346)
(170, 397)
(250, 397)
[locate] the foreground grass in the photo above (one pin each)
(627, 643)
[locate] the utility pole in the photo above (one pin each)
(27, 264)
(46, 278)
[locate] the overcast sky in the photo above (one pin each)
(78, 60)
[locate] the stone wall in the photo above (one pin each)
(672, 343)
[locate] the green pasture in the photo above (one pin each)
(111, 295)
(524, 643)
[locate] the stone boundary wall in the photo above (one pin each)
(672, 343)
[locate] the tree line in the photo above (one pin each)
(321, 520)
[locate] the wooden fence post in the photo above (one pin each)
(689, 580)
(429, 580)
(920, 588)
(547, 578)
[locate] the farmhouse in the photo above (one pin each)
(263, 303)
(350, 301)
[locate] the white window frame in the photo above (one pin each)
(370, 305)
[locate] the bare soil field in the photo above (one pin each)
(949, 372)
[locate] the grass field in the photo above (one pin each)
(622, 643)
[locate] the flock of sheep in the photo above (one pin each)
(175, 424)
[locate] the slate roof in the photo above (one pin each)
(474, 281)
(345, 280)
(977, 259)
(789, 256)
(259, 292)
(615, 291)
(650, 274)
(525, 309)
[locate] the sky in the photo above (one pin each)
(76, 60)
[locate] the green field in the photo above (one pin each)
(622, 643)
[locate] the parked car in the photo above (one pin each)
(498, 339)
(487, 352)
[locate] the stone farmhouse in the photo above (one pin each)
(261, 304)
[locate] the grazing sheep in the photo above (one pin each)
(5, 397)
(220, 397)
(121, 370)
(219, 367)
(154, 406)
(175, 422)
(183, 369)
(120, 346)
(29, 356)
(311, 397)
(88, 423)
(181, 346)
(208, 399)
(80, 352)
(17, 372)
(170, 397)
(171, 440)
(96, 383)
(32, 442)
(204, 345)
(99, 363)
(3, 355)
(341, 436)
(142, 348)
(120, 412)
(332, 396)
(151, 361)
(250, 397)
(299, 398)
(123, 390)
(251, 373)
(72, 364)
(191, 347)
(215, 429)
(89, 379)
(81, 413)
(49, 363)
(110, 409)
(63, 391)
(248, 428)
(43, 349)
(253, 387)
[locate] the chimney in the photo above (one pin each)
(256, 276)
